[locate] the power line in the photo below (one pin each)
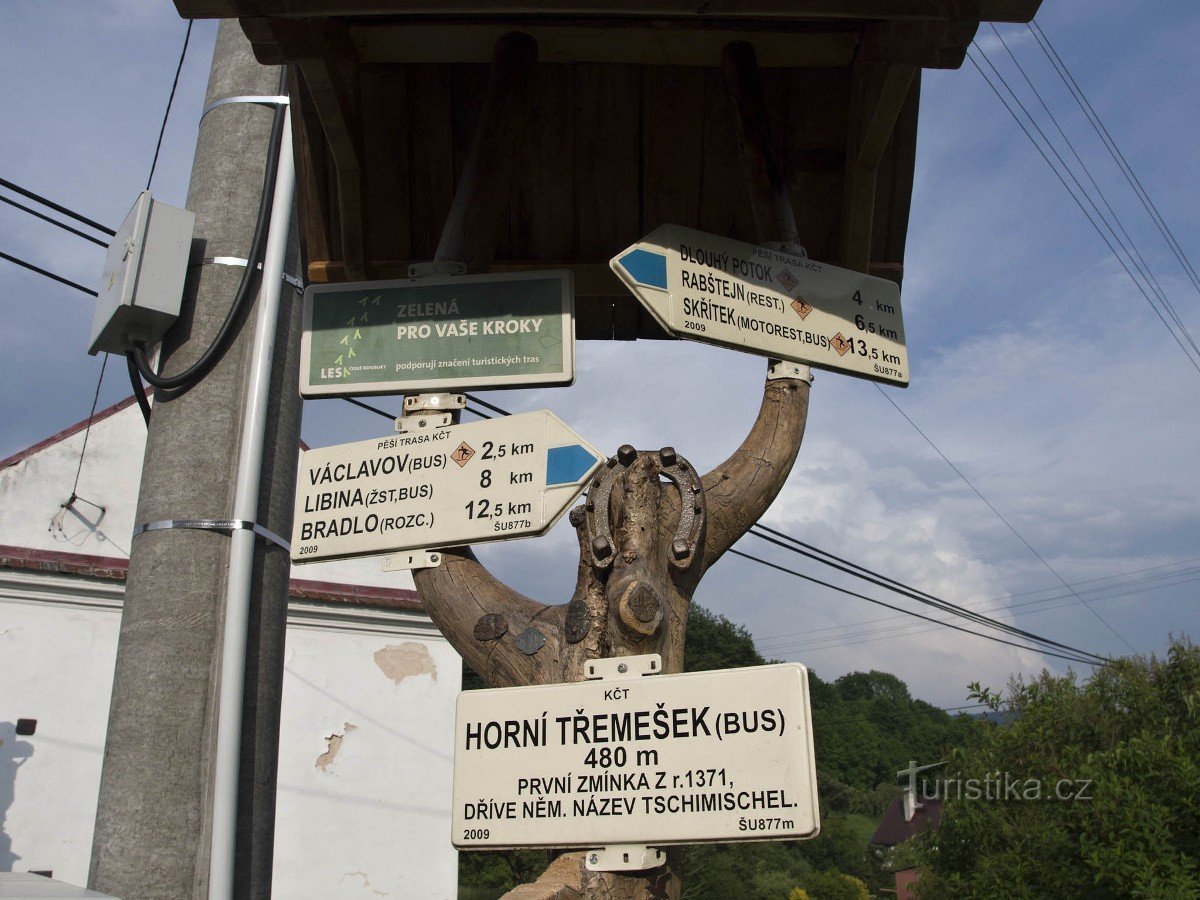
(1001, 517)
(829, 642)
(1137, 283)
(1127, 243)
(369, 408)
(486, 405)
(1060, 67)
(55, 222)
(25, 192)
(904, 590)
(877, 626)
(48, 274)
(170, 100)
(984, 607)
(909, 612)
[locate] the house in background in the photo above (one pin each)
(365, 757)
(902, 820)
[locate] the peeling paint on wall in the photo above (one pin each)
(400, 661)
(333, 746)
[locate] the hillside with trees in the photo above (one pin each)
(866, 728)
(1105, 789)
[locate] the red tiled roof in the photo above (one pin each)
(65, 433)
(894, 830)
(115, 569)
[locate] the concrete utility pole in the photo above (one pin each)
(156, 792)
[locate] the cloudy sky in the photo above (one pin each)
(1037, 368)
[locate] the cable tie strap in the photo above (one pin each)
(224, 525)
(274, 100)
(239, 261)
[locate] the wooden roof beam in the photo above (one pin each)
(328, 70)
(877, 92)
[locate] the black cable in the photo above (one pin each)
(988, 503)
(28, 265)
(1166, 303)
(1128, 244)
(198, 369)
(1106, 138)
(44, 218)
(170, 100)
(870, 630)
(87, 431)
(908, 612)
(369, 408)
(486, 405)
(885, 581)
(477, 412)
(904, 590)
(24, 192)
(1187, 569)
(1082, 208)
(139, 391)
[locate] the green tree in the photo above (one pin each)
(1129, 739)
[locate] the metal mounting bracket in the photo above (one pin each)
(413, 559)
(415, 403)
(624, 858)
(618, 667)
(781, 368)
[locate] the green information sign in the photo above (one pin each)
(445, 333)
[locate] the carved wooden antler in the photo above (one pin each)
(643, 545)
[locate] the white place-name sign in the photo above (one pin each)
(660, 759)
(737, 295)
(484, 481)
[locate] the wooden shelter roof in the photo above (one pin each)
(630, 125)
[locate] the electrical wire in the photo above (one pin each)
(55, 222)
(1089, 112)
(187, 36)
(486, 405)
(1020, 537)
(369, 408)
(67, 281)
(913, 629)
(1127, 244)
(851, 632)
(139, 392)
(904, 590)
(1187, 569)
(25, 192)
(184, 380)
(909, 612)
(1137, 283)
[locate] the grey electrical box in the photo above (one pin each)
(144, 271)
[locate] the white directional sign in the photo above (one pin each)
(658, 759)
(485, 481)
(733, 294)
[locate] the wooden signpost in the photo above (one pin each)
(725, 292)
(461, 484)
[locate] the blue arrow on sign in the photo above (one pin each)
(646, 268)
(566, 465)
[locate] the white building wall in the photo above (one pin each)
(363, 808)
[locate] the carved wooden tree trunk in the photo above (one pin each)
(644, 543)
